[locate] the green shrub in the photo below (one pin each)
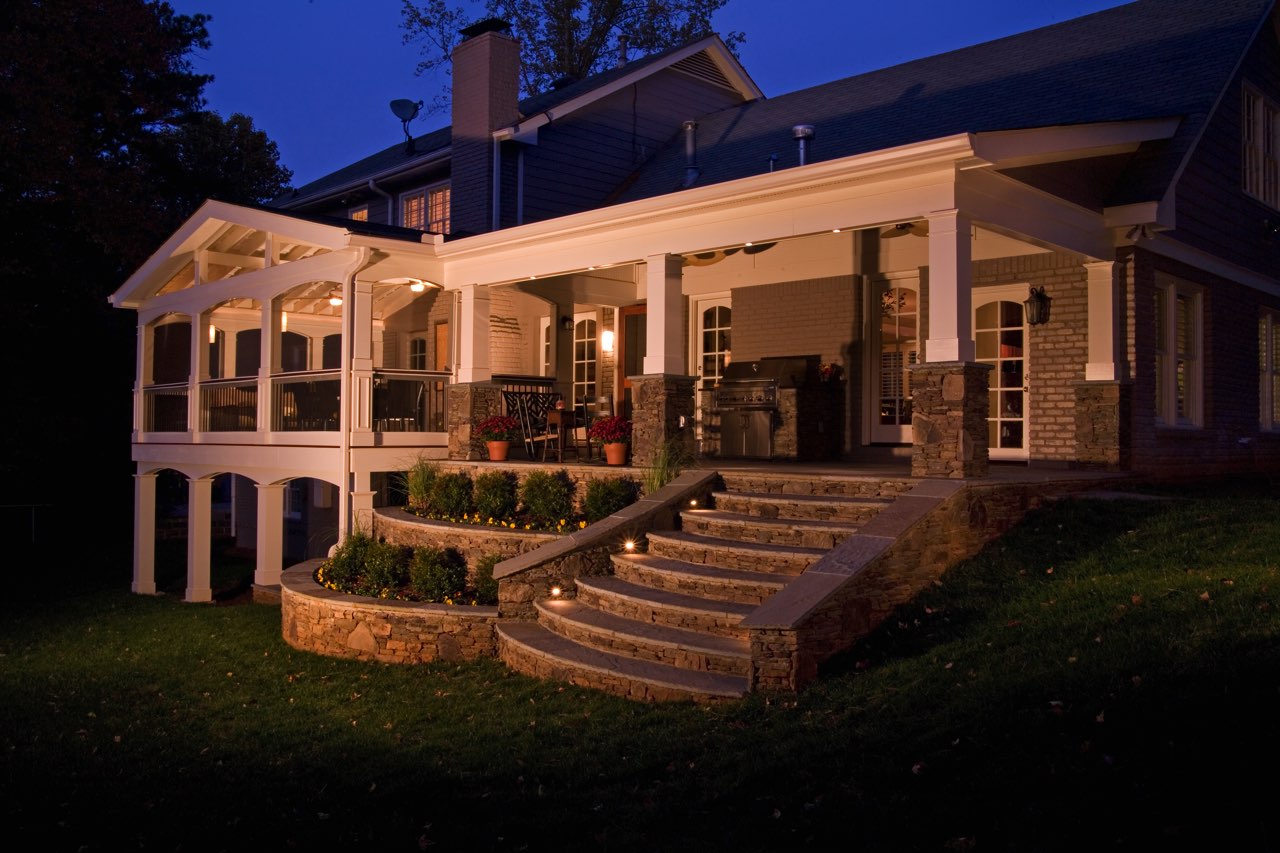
(450, 495)
(437, 573)
(417, 482)
(605, 497)
(547, 497)
(486, 587)
(673, 456)
(347, 562)
(495, 495)
(385, 569)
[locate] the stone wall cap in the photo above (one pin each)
(897, 517)
(795, 601)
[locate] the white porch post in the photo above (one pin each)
(143, 377)
(268, 358)
(144, 534)
(664, 350)
(270, 533)
(950, 288)
(473, 335)
(199, 524)
(1104, 329)
(196, 361)
(360, 393)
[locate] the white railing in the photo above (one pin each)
(229, 405)
(409, 401)
(306, 402)
(164, 408)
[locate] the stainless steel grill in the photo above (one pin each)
(747, 401)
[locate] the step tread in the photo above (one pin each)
(831, 525)
(648, 632)
(673, 566)
(760, 548)
(649, 595)
(787, 497)
(539, 640)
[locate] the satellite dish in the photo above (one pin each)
(406, 110)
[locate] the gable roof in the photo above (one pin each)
(1145, 60)
(434, 146)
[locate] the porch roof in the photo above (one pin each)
(1146, 60)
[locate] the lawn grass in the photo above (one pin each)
(1107, 676)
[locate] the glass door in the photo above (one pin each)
(711, 354)
(1001, 337)
(895, 346)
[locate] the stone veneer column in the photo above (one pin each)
(949, 419)
(1102, 425)
(468, 404)
(661, 410)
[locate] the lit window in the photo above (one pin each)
(417, 353)
(584, 359)
(1269, 371)
(1261, 148)
(1179, 309)
(426, 209)
(360, 214)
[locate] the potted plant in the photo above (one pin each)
(497, 433)
(614, 433)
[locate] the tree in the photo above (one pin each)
(564, 38)
(106, 148)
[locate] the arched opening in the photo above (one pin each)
(310, 519)
(232, 500)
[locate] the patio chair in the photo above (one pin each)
(532, 415)
(590, 410)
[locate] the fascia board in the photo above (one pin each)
(527, 131)
(1015, 209)
(426, 160)
(1032, 146)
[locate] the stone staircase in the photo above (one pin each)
(665, 624)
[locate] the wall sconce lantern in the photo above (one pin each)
(606, 340)
(566, 323)
(1037, 307)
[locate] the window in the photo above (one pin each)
(1261, 134)
(1179, 310)
(426, 209)
(584, 359)
(1269, 370)
(418, 353)
(360, 214)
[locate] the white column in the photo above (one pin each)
(473, 335)
(199, 342)
(950, 288)
(664, 349)
(144, 534)
(199, 524)
(270, 533)
(360, 394)
(1104, 328)
(143, 376)
(268, 358)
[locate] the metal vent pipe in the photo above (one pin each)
(691, 170)
(802, 133)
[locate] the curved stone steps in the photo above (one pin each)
(802, 532)
(850, 509)
(532, 649)
(678, 647)
(663, 607)
(699, 579)
(750, 556)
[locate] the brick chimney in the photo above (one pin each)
(486, 84)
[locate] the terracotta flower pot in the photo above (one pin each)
(498, 450)
(615, 453)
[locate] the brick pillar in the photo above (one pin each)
(1102, 425)
(468, 404)
(949, 419)
(661, 410)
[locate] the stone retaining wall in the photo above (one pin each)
(335, 624)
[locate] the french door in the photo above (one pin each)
(714, 321)
(895, 346)
(1000, 334)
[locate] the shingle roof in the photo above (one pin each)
(1149, 59)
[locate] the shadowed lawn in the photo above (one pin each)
(1105, 677)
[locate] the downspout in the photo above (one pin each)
(496, 201)
(346, 384)
(390, 208)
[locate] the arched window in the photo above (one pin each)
(584, 359)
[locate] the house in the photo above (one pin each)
(640, 232)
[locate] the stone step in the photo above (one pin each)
(798, 484)
(678, 647)
(532, 649)
(663, 607)
(698, 579)
(854, 510)
(746, 556)
(804, 532)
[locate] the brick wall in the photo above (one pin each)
(812, 317)
(485, 87)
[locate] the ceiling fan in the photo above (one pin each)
(918, 229)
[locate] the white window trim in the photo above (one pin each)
(425, 192)
(1268, 370)
(1257, 185)
(594, 316)
(1167, 408)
